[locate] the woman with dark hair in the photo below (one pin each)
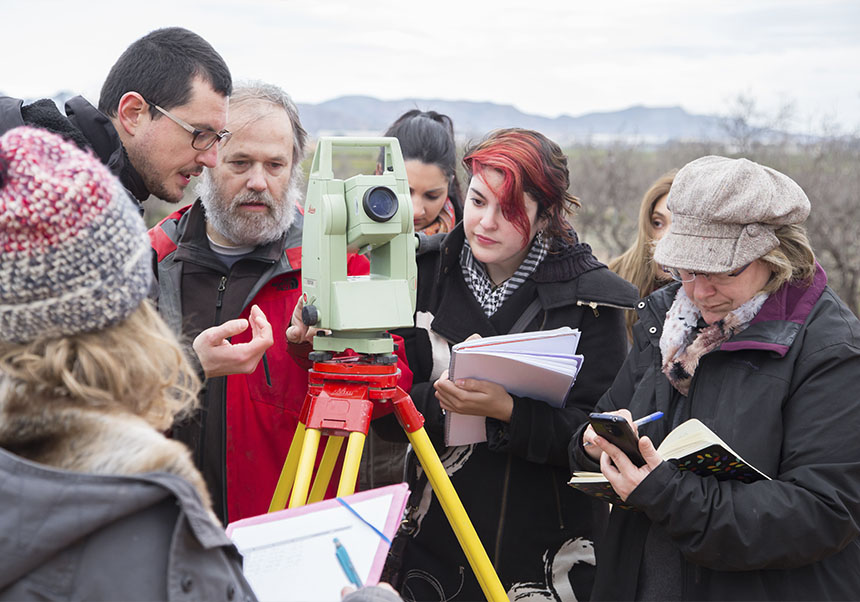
(430, 153)
(514, 264)
(636, 264)
(752, 342)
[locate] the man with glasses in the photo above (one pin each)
(161, 114)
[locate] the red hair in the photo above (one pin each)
(529, 163)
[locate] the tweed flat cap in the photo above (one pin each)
(724, 213)
(74, 255)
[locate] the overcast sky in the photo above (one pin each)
(547, 57)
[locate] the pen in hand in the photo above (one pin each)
(640, 422)
(648, 418)
(346, 563)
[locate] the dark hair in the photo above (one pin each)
(161, 66)
(529, 163)
(428, 136)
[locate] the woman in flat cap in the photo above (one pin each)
(752, 342)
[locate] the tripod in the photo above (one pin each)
(344, 395)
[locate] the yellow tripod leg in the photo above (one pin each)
(349, 472)
(457, 517)
(326, 468)
(288, 472)
(305, 468)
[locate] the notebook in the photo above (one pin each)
(541, 365)
(691, 446)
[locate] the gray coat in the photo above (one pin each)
(78, 536)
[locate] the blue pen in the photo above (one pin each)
(346, 563)
(648, 418)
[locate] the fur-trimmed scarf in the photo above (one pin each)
(684, 342)
(67, 436)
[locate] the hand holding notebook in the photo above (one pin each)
(539, 365)
(691, 447)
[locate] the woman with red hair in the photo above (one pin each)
(514, 264)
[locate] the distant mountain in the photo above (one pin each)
(363, 115)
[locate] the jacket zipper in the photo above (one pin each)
(222, 286)
(505, 482)
(594, 304)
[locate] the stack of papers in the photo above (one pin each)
(540, 365)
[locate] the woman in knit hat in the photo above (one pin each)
(96, 502)
(430, 156)
(751, 341)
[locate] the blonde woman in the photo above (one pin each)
(636, 264)
(97, 503)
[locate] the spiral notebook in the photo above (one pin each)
(540, 365)
(290, 555)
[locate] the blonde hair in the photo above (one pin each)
(136, 366)
(636, 264)
(792, 261)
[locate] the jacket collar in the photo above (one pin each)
(774, 327)
(777, 323)
(103, 137)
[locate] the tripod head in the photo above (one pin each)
(366, 214)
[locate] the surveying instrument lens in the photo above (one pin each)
(380, 203)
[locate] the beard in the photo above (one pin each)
(245, 228)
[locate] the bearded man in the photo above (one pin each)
(228, 272)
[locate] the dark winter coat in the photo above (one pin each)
(781, 393)
(539, 533)
(83, 124)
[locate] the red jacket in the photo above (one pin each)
(260, 419)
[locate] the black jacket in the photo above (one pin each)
(83, 124)
(538, 533)
(782, 393)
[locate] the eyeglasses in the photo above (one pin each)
(688, 276)
(201, 140)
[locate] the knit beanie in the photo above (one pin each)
(724, 213)
(74, 255)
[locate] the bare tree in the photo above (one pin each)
(611, 180)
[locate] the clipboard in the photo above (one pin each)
(290, 555)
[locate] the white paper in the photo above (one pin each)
(540, 365)
(294, 559)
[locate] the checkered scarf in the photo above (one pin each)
(489, 296)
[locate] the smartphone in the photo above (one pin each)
(618, 431)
